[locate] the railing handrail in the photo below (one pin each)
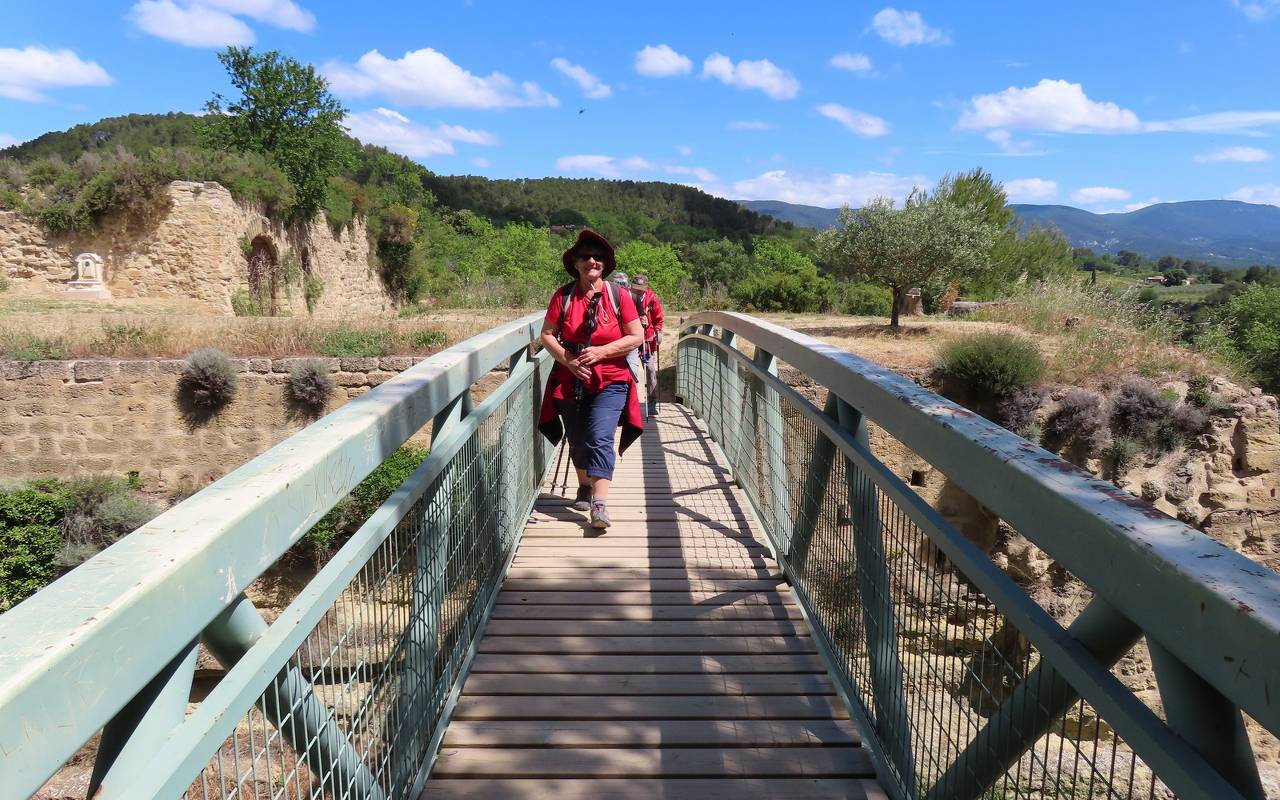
(73, 654)
(1215, 609)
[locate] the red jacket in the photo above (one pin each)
(651, 317)
(609, 328)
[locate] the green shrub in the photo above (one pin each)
(866, 300)
(244, 304)
(312, 290)
(1119, 456)
(347, 342)
(126, 338)
(1198, 393)
(1138, 410)
(29, 542)
(4, 283)
(207, 383)
(309, 384)
(28, 348)
(351, 512)
(428, 339)
(1080, 419)
(992, 364)
(1253, 318)
(1148, 295)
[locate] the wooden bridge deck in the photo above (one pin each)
(662, 658)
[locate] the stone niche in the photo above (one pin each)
(89, 282)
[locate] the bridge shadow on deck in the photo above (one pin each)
(663, 659)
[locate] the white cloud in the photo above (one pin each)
(853, 62)
(662, 62)
(394, 131)
(591, 86)
(1010, 146)
(1051, 105)
(8, 140)
(855, 121)
(1241, 155)
(217, 23)
(1266, 193)
(1150, 201)
(428, 78)
(482, 163)
(633, 167)
(827, 190)
(1258, 10)
(1093, 195)
(24, 74)
(1030, 190)
(1246, 122)
(684, 150)
(750, 125)
(764, 75)
(904, 28)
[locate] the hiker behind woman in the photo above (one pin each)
(590, 327)
(650, 308)
(620, 280)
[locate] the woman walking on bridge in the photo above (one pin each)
(590, 327)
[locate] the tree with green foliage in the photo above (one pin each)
(658, 261)
(782, 279)
(927, 244)
(1175, 277)
(718, 262)
(1253, 319)
(286, 113)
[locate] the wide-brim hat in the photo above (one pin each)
(588, 237)
(640, 282)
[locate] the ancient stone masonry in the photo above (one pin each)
(61, 418)
(193, 252)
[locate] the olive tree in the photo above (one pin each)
(286, 113)
(927, 243)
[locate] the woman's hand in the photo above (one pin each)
(589, 356)
(582, 373)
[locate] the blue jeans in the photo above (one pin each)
(590, 433)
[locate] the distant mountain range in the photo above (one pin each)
(1222, 231)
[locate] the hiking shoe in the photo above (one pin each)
(599, 514)
(653, 408)
(583, 500)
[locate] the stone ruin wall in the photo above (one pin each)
(192, 253)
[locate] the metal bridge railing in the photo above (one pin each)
(962, 685)
(343, 695)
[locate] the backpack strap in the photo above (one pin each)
(566, 293)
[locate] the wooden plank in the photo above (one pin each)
(576, 612)
(760, 627)
(642, 645)
(641, 585)
(651, 788)
(570, 545)
(650, 733)
(652, 664)
(614, 573)
(645, 598)
(604, 560)
(618, 685)
(650, 707)
(745, 762)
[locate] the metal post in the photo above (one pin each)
(1027, 714)
(290, 704)
(878, 617)
(775, 451)
(817, 476)
(730, 405)
(130, 738)
(1208, 721)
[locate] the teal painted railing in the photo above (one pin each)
(344, 694)
(962, 685)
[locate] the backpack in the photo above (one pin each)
(566, 293)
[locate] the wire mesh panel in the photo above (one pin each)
(354, 712)
(955, 698)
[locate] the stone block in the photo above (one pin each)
(170, 366)
(97, 464)
(94, 370)
(349, 379)
(48, 425)
(136, 370)
(359, 364)
(72, 446)
(397, 363)
(10, 428)
(56, 370)
(378, 378)
(260, 365)
(18, 370)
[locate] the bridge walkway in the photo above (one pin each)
(663, 658)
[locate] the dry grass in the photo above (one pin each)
(74, 332)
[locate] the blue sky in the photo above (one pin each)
(1102, 105)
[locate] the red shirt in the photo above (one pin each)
(608, 329)
(649, 301)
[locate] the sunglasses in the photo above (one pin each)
(588, 256)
